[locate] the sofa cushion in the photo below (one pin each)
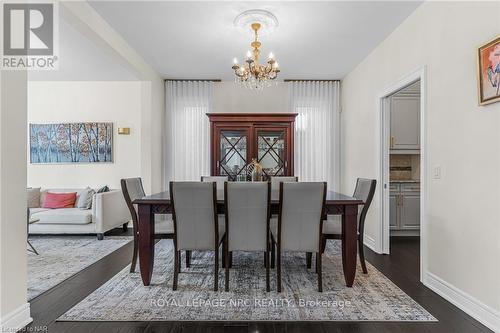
(33, 197)
(64, 216)
(59, 200)
(84, 200)
(37, 210)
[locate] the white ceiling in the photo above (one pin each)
(314, 40)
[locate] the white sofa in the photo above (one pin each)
(109, 210)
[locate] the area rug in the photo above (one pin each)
(60, 257)
(124, 298)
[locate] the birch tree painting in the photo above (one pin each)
(71, 143)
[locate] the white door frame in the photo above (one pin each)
(384, 135)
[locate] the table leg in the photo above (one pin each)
(146, 243)
(349, 242)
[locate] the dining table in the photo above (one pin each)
(336, 204)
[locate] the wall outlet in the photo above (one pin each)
(436, 172)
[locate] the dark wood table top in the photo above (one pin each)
(332, 198)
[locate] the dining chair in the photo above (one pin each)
(276, 180)
(275, 185)
(248, 209)
(299, 225)
(164, 228)
(332, 228)
(196, 223)
(220, 180)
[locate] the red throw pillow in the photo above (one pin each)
(59, 200)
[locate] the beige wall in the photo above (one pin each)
(93, 101)
(463, 214)
(14, 308)
(230, 97)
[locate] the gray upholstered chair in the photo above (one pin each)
(220, 180)
(276, 180)
(332, 227)
(196, 223)
(247, 220)
(299, 227)
(164, 227)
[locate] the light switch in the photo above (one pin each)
(436, 172)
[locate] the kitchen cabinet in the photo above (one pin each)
(405, 122)
(404, 202)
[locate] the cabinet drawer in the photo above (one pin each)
(410, 187)
(394, 188)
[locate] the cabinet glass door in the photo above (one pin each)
(233, 146)
(271, 151)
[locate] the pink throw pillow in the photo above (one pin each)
(59, 200)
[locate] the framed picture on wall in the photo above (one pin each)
(71, 143)
(489, 72)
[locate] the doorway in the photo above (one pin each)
(403, 167)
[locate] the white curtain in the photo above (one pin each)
(186, 139)
(317, 131)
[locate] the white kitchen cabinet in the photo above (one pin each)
(404, 205)
(394, 211)
(405, 122)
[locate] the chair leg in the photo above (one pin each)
(188, 258)
(362, 255)
(226, 263)
(319, 270)
(268, 280)
(308, 259)
(176, 269)
(230, 259)
(179, 261)
(216, 270)
(273, 254)
(134, 256)
(278, 269)
(323, 244)
(125, 227)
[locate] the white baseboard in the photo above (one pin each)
(370, 243)
(486, 315)
(16, 319)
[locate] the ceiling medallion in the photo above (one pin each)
(253, 75)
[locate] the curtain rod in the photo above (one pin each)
(302, 80)
(209, 80)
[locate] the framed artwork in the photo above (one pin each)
(71, 143)
(489, 72)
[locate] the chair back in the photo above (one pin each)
(220, 180)
(365, 190)
(300, 219)
(194, 211)
(132, 189)
(247, 215)
(275, 181)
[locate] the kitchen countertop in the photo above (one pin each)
(405, 181)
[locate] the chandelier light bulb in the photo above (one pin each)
(249, 54)
(276, 65)
(235, 61)
(271, 56)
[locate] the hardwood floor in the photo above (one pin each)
(402, 267)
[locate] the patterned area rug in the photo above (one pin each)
(124, 298)
(60, 257)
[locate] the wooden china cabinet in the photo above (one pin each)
(237, 138)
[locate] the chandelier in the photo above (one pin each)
(252, 74)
